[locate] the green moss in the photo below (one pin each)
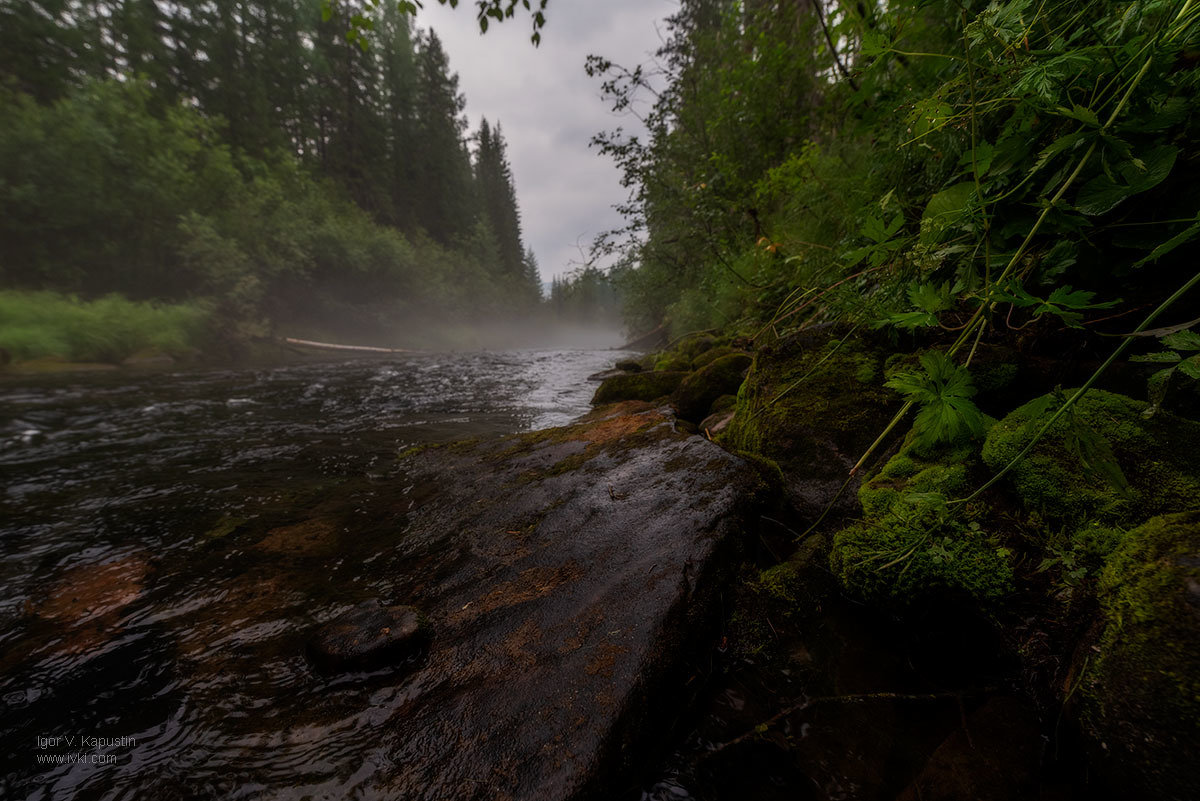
(692, 346)
(867, 373)
(709, 356)
(1141, 690)
(994, 377)
(637, 386)
(803, 405)
(783, 582)
(695, 394)
(900, 466)
(1101, 461)
(672, 362)
(918, 550)
(723, 403)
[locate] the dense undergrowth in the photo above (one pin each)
(925, 220)
(978, 170)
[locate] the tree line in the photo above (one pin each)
(252, 154)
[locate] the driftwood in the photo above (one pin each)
(330, 346)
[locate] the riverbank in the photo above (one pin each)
(1046, 620)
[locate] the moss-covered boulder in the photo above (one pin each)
(1140, 687)
(638, 386)
(629, 365)
(912, 470)
(912, 545)
(919, 550)
(711, 355)
(814, 406)
(692, 346)
(695, 395)
(671, 362)
(1102, 460)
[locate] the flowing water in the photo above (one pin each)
(163, 551)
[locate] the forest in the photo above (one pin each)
(217, 171)
(919, 166)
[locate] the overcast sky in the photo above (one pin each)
(549, 108)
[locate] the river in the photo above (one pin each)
(141, 603)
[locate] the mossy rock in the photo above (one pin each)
(638, 386)
(723, 404)
(694, 345)
(911, 545)
(815, 408)
(629, 365)
(670, 362)
(917, 551)
(801, 583)
(696, 393)
(1141, 686)
(913, 470)
(711, 355)
(1102, 460)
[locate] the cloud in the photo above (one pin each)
(549, 108)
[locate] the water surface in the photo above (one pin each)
(167, 541)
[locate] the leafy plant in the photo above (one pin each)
(943, 391)
(1182, 352)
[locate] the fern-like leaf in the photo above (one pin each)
(943, 390)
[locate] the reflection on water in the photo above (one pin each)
(168, 540)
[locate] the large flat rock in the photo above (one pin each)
(564, 574)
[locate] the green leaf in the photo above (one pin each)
(944, 210)
(1182, 340)
(910, 320)
(1095, 454)
(1102, 194)
(944, 392)
(1084, 115)
(929, 298)
(1166, 247)
(1190, 367)
(1165, 357)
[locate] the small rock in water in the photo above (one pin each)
(368, 637)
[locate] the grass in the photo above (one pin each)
(109, 329)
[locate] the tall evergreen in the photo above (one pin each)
(446, 206)
(493, 178)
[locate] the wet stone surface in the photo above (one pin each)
(368, 637)
(564, 572)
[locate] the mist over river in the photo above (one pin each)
(132, 525)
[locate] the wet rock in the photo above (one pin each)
(717, 422)
(629, 365)
(814, 406)
(637, 386)
(604, 375)
(368, 637)
(1140, 678)
(312, 538)
(95, 590)
(696, 393)
(568, 573)
(87, 602)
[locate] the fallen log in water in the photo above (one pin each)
(330, 346)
